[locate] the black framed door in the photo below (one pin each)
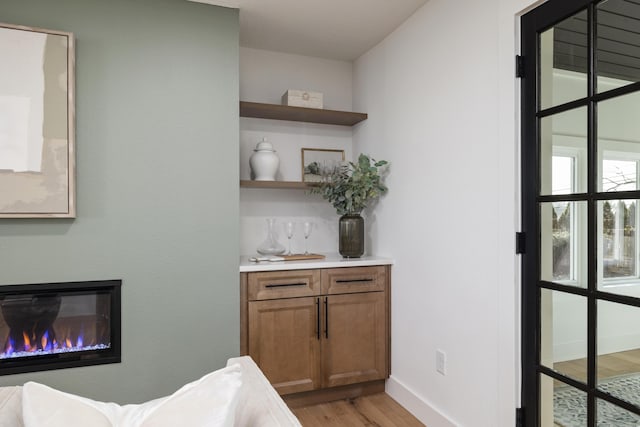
(580, 207)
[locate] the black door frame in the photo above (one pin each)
(533, 24)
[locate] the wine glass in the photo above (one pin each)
(289, 228)
(307, 227)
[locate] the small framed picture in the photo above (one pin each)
(317, 162)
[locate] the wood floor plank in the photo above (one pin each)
(377, 410)
(387, 406)
(609, 365)
(375, 416)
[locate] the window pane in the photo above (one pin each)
(563, 136)
(618, 43)
(564, 333)
(618, 364)
(619, 175)
(612, 415)
(563, 243)
(563, 61)
(618, 243)
(562, 174)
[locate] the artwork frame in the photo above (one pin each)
(323, 158)
(37, 123)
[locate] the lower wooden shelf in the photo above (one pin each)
(275, 184)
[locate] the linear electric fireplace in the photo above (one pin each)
(59, 325)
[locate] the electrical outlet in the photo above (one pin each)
(441, 362)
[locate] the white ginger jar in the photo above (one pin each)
(264, 162)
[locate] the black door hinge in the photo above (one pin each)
(519, 417)
(521, 242)
(519, 66)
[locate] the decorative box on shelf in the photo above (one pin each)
(302, 98)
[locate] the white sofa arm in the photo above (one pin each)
(259, 405)
(11, 407)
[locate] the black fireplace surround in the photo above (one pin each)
(49, 326)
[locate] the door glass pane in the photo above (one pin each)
(618, 246)
(618, 364)
(612, 415)
(618, 43)
(563, 243)
(563, 152)
(561, 404)
(619, 143)
(563, 61)
(564, 333)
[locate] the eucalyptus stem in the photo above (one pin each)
(351, 186)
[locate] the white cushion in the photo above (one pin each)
(207, 402)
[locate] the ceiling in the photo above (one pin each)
(617, 41)
(336, 29)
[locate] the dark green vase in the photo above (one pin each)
(351, 235)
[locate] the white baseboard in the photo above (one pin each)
(418, 406)
(606, 344)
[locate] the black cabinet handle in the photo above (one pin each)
(353, 280)
(326, 317)
(318, 317)
(284, 285)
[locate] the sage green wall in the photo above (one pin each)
(157, 156)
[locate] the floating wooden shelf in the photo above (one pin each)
(300, 114)
(275, 184)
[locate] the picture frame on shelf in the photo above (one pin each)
(37, 137)
(319, 161)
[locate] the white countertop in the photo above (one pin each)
(330, 261)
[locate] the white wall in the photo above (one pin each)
(264, 77)
(442, 102)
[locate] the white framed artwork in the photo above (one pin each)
(37, 123)
(318, 162)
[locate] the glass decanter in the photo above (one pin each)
(271, 246)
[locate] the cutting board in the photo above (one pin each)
(300, 257)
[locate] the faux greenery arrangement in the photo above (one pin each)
(351, 186)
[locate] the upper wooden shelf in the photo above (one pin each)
(300, 114)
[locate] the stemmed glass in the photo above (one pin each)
(307, 227)
(289, 227)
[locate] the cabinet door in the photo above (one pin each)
(354, 338)
(284, 342)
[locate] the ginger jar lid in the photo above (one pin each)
(264, 146)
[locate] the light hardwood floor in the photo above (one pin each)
(376, 410)
(380, 410)
(609, 365)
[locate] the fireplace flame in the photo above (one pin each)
(29, 343)
(10, 347)
(45, 343)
